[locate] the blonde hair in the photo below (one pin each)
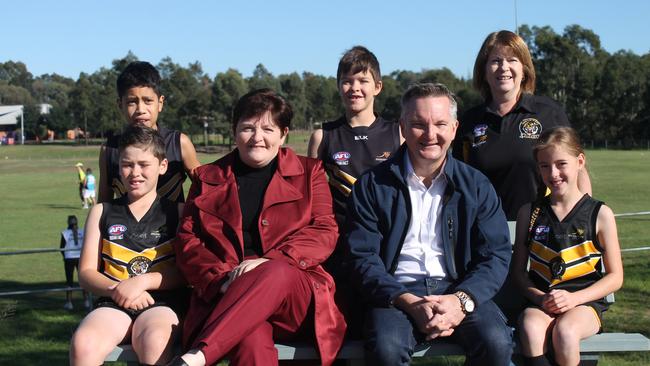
(514, 43)
(564, 137)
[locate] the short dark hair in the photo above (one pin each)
(72, 221)
(358, 59)
(138, 74)
(424, 90)
(144, 138)
(260, 101)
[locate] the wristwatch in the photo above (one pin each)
(466, 302)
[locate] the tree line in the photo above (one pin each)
(606, 96)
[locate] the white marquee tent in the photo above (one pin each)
(9, 115)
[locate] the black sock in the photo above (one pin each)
(537, 361)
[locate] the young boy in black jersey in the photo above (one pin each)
(360, 139)
(128, 261)
(140, 101)
(349, 146)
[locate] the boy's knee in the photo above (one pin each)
(564, 333)
(83, 345)
(532, 327)
(154, 339)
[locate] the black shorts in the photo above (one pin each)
(597, 306)
(177, 300)
(70, 265)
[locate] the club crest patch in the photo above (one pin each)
(341, 158)
(116, 232)
(480, 135)
(530, 128)
(138, 265)
(557, 266)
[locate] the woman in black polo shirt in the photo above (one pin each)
(497, 137)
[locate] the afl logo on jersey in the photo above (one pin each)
(341, 158)
(530, 128)
(116, 232)
(480, 135)
(138, 265)
(541, 233)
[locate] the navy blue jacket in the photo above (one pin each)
(475, 232)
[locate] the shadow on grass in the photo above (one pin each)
(34, 328)
(57, 206)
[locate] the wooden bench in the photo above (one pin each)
(352, 351)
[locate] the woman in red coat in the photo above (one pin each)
(257, 225)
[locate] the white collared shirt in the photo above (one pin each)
(422, 254)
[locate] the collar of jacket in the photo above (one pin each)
(288, 165)
(398, 168)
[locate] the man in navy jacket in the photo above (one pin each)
(428, 243)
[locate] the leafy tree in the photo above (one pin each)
(15, 73)
(387, 103)
(80, 105)
(322, 96)
(12, 94)
(262, 78)
(622, 96)
(293, 88)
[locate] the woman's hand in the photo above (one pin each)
(126, 292)
(243, 267)
(559, 301)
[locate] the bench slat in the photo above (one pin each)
(353, 350)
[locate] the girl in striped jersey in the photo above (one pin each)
(568, 237)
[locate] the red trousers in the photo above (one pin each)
(270, 302)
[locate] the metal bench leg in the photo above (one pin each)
(589, 359)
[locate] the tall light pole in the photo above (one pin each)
(516, 23)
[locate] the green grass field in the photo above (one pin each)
(39, 191)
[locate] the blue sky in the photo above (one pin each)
(72, 36)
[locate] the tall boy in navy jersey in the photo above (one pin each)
(140, 101)
(128, 261)
(360, 139)
(349, 146)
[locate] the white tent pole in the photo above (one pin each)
(22, 126)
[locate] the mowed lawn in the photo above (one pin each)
(38, 188)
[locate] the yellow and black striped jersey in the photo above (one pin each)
(130, 247)
(565, 254)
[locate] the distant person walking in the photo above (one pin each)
(89, 189)
(82, 180)
(71, 239)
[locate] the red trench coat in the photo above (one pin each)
(296, 224)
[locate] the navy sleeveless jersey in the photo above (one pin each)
(170, 184)
(347, 152)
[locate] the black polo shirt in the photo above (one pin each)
(501, 147)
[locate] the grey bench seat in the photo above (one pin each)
(590, 348)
